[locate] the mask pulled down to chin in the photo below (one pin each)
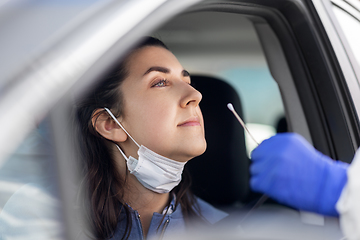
(155, 172)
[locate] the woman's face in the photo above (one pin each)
(161, 108)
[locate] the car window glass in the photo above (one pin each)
(225, 45)
(30, 206)
(351, 27)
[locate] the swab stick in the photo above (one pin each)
(231, 108)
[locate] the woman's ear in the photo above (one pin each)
(107, 127)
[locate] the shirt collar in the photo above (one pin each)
(170, 208)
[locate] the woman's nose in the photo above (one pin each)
(191, 96)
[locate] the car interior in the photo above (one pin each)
(223, 54)
(224, 165)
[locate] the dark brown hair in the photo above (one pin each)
(103, 186)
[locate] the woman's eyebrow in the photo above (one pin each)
(157, 69)
(165, 70)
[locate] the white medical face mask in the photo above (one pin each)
(155, 172)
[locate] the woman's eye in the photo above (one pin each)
(161, 83)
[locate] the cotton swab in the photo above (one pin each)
(231, 108)
(264, 197)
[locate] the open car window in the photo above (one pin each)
(226, 46)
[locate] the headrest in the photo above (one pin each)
(220, 176)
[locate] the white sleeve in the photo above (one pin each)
(348, 205)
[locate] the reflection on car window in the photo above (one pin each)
(37, 21)
(351, 27)
(29, 202)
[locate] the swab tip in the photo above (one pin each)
(230, 106)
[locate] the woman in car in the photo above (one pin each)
(139, 127)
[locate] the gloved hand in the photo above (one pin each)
(288, 169)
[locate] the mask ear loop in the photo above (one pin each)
(122, 153)
(113, 117)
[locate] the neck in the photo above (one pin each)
(143, 199)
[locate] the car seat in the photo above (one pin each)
(282, 126)
(220, 176)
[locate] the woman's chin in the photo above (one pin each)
(197, 151)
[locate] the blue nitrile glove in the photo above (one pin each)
(288, 169)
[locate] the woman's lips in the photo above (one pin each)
(193, 121)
